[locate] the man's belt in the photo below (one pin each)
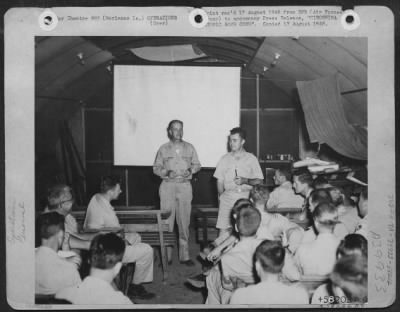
(177, 180)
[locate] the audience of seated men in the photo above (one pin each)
(348, 282)
(106, 252)
(100, 214)
(352, 244)
(362, 227)
(272, 226)
(318, 257)
(269, 261)
(52, 273)
(348, 214)
(283, 195)
(236, 265)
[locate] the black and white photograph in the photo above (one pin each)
(229, 141)
(213, 171)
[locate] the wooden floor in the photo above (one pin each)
(174, 290)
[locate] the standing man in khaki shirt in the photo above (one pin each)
(175, 163)
(236, 173)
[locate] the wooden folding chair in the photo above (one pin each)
(153, 228)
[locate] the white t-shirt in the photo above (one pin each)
(317, 257)
(100, 214)
(53, 273)
(93, 290)
(270, 293)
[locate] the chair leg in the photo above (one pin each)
(164, 260)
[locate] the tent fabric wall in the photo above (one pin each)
(326, 120)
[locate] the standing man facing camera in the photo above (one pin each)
(236, 173)
(176, 162)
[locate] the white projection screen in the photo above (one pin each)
(146, 98)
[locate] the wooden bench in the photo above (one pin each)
(149, 223)
(205, 223)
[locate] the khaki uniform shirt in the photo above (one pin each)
(177, 157)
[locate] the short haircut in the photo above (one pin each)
(304, 177)
(242, 133)
(106, 250)
(172, 122)
(49, 224)
(319, 196)
(284, 171)
(353, 244)
(351, 275)
(271, 256)
(336, 200)
(56, 194)
(241, 202)
(248, 220)
(326, 208)
(260, 191)
(364, 193)
(108, 183)
(320, 182)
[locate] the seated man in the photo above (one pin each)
(348, 215)
(274, 224)
(302, 185)
(236, 265)
(100, 214)
(362, 227)
(106, 252)
(316, 197)
(52, 273)
(319, 256)
(283, 195)
(348, 283)
(61, 200)
(351, 245)
(269, 261)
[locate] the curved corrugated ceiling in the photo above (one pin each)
(61, 73)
